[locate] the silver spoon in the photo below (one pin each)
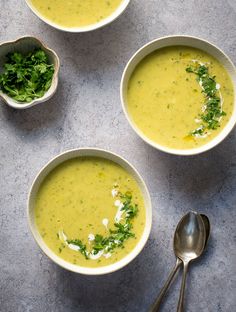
(189, 243)
(155, 307)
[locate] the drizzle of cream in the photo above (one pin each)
(120, 212)
(74, 247)
(105, 222)
(117, 203)
(62, 237)
(97, 256)
(114, 192)
(200, 83)
(91, 237)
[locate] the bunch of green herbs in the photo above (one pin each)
(26, 77)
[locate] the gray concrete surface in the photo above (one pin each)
(86, 111)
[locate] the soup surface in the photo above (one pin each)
(90, 211)
(180, 97)
(76, 13)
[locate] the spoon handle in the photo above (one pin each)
(182, 290)
(156, 305)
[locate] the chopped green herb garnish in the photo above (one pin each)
(117, 236)
(198, 131)
(28, 77)
(212, 108)
(82, 247)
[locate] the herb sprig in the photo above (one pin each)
(212, 108)
(26, 77)
(121, 232)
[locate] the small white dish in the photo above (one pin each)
(24, 45)
(97, 153)
(178, 41)
(122, 7)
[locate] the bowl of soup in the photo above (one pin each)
(178, 94)
(90, 211)
(78, 15)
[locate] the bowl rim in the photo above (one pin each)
(96, 152)
(82, 29)
(50, 92)
(184, 152)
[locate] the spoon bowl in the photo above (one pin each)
(190, 237)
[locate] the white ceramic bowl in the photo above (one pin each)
(81, 29)
(24, 45)
(174, 41)
(97, 153)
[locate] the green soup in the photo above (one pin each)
(76, 13)
(180, 97)
(90, 211)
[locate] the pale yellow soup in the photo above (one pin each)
(76, 198)
(164, 101)
(76, 13)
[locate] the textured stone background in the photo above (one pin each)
(86, 111)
